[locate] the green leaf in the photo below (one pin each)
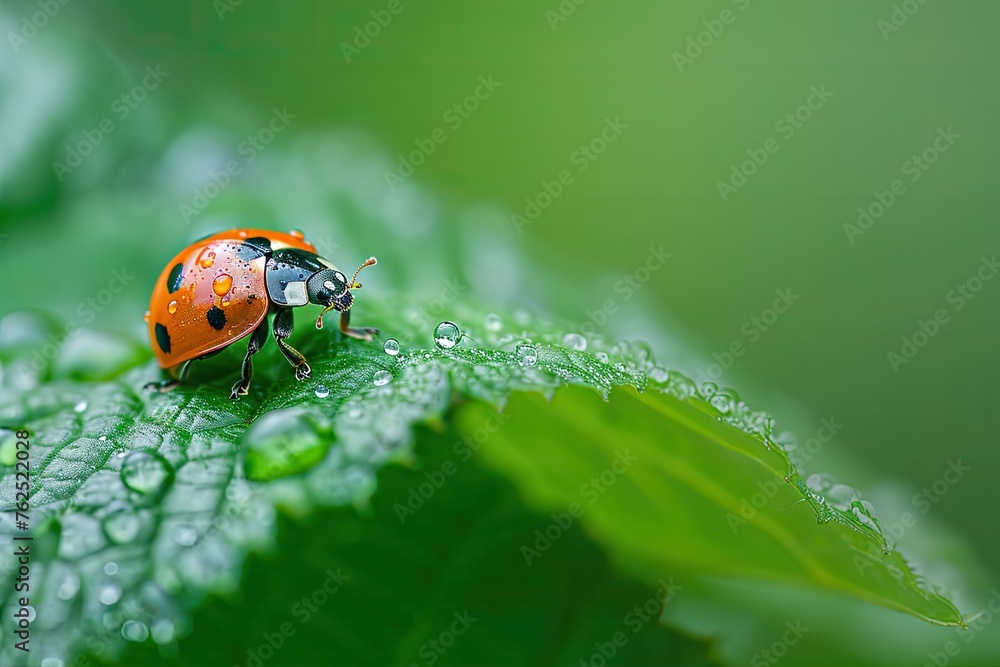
(451, 565)
(144, 504)
(666, 483)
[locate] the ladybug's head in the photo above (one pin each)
(331, 289)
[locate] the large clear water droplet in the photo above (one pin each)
(527, 355)
(391, 347)
(322, 391)
(147, 473)
(447, 335)
(382, 378)
(575, 341)
(285, 442)
(135, 631)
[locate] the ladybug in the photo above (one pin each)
(222, 288)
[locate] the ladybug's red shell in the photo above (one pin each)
(213, 293)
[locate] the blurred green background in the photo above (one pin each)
(562, 73)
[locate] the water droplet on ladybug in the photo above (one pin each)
(382, 378)
(222, 284)
(447, 335)
(243, 234)
(297, 234)
(146, 316)
(206, 259)
(172, 307)
(391, 347)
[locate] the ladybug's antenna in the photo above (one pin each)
(371, 261)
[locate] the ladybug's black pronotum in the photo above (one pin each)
(222, 288)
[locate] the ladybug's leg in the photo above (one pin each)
(167, 385)
(284, 324)
(257, 340)
(364, 333)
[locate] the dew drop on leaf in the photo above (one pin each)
(135, 631)
(80, 406)
(69, 586)
(447, 335)
(109, 593)
(527, 355)
(163, 631)
(382, 378)
(121, 525)
(391, 347)
(111, 568)
(186, 536)
(146, 473)
(575, 341)
(322, 391)
(493, 322)
(602, 357)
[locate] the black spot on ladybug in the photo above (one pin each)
(162, 338)
(175, 277)
(216, 318)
